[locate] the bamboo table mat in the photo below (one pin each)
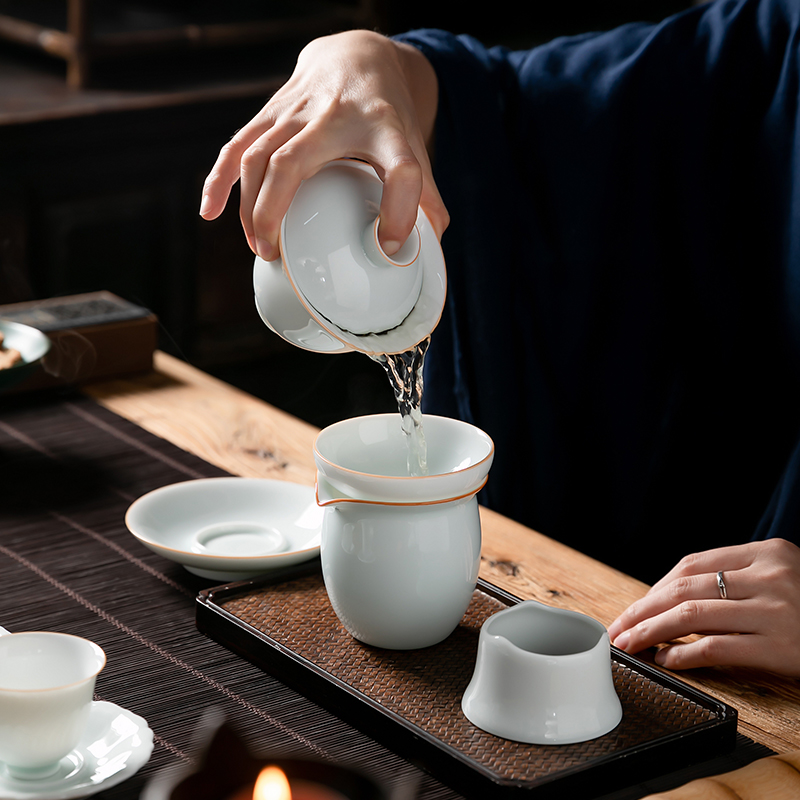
(69, 469)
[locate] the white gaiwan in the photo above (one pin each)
(334, 290)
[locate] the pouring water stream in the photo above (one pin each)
(404, 371)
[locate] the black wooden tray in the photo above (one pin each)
(411, 700)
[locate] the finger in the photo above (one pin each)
(227, 168)
(268, 197)
(402, 189)
(432, 204)
(277, 190)
(401, 162)
(254, 167)
(680, 590)
(691, 617)
(431, 201)
(401, 197)
(711, 561)
(272, 170)
(218, 184)
(710, 651)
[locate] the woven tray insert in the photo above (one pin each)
(424, 687)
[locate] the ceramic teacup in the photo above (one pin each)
(46, 686)
(400, 554)
(543, 676)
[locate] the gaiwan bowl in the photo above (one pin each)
(333, 289)
(229, 529)
(33, 346)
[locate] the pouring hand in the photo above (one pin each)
(757, 625)
(356, 94)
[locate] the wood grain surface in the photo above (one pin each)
(248, 437)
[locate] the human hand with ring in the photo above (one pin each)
(744, 599)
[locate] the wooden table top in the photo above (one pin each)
(248, 437)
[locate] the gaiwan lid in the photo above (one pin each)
(332, 257)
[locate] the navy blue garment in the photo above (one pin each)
(623, 310)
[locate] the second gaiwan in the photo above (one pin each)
(334, 290)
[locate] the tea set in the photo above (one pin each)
(399, 553)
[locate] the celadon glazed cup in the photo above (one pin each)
(47, 682)
(543, 676)
(400, 554)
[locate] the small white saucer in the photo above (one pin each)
(229, 529)
(116, 745)
(32, 345)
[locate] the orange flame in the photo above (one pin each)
(272, 784)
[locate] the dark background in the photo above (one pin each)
(100, 183)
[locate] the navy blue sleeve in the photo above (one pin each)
(624, 278)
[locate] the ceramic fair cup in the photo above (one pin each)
(399, 576)
(400, 554)
(542, 676)
(46, 687)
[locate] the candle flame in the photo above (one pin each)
(272, 784)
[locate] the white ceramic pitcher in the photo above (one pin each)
(400, 554)
(543, 676)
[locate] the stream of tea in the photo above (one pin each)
(404, 371)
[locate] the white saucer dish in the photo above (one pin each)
(33, 346)
(116, 745)
(229, 529)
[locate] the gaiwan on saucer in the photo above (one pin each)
(229, 529)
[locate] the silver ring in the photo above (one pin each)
(723, 590)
